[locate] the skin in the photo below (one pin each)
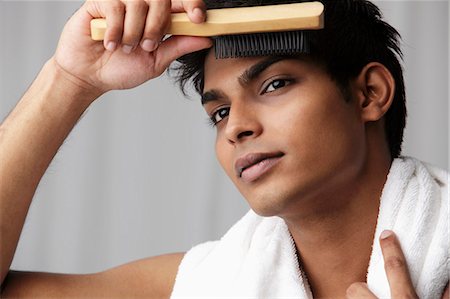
(81, 70)
(335, 157)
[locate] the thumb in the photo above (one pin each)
(177, 46)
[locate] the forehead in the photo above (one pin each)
(219, 72)
(220, 69)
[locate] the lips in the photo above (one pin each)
(252, 166)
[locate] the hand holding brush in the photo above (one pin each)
(246, 31)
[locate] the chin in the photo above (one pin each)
(281, 198)
(268, 203)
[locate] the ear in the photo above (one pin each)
(375, 88)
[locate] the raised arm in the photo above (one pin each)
(80, 71)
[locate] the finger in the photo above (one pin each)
(114, 12)
(395, 266)
(195, 9)
(136, 12)
(158, 19)
(177, 46)
(359, 290)
(446, 294)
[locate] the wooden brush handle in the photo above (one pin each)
(281, 17)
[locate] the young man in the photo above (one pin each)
(301, 139)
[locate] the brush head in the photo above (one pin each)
(262, 44)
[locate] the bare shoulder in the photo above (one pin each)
(147, 278)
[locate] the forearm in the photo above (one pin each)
(32, 134)
(29, 139)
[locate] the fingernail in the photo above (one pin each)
(386, 234)
(148, 45)
(127, 49)
(111, 46)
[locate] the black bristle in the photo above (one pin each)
(261, 44)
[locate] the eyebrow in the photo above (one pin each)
(211, 96)
(246, 78)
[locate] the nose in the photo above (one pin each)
(242, 123)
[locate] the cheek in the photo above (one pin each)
(322, 129)
(223, 154)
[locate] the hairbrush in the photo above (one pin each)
(248, 31)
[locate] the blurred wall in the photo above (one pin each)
(138, 177)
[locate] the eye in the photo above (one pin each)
(218, 115)
(276, 84)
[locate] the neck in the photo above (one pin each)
(335, 244)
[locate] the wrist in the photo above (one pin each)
(73, 87)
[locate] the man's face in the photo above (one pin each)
(285, 134)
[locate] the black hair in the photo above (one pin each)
(354, 35)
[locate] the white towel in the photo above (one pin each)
(257, 257)
(415, 205)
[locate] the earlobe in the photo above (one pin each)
(376, 87)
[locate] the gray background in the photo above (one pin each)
(138, 177)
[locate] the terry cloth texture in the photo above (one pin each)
(257, 257)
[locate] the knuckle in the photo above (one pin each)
(176, 4)
(136, 4)
(189, 3)
(159, 3)
(159, 9)
(394, 263)
(116, 7)
(193, 4)
(199, 3)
